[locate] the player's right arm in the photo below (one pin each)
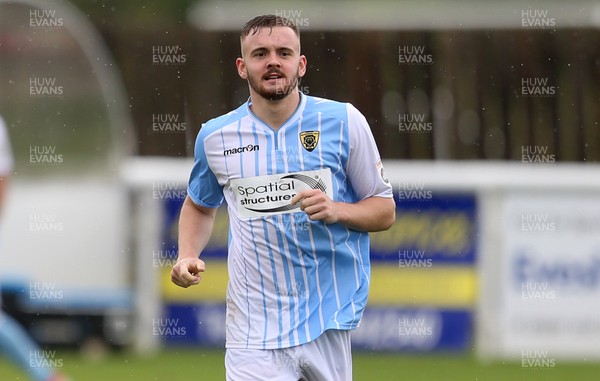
(195, 228)
(196, 220)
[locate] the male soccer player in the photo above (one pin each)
(304, 185)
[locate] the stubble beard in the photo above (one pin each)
(277, 93)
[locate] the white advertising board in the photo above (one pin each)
(548, 277)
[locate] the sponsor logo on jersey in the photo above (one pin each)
(309, 139)
(272, 194)
(236, 150)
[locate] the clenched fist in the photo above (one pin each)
(186, 272)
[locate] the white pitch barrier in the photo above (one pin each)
(538, 248)
(538, 255)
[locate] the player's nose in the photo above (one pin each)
(273, 61)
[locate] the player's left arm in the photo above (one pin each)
(370, 215)
(375, 209)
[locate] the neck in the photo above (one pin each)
(274, 113)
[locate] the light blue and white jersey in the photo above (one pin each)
(290, 278)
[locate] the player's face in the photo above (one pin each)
(272, 63)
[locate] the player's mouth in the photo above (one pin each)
(273, 76)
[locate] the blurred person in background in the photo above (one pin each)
(15, 343)
(304, 185)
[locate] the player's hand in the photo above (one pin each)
(317, 205)
(186, 272)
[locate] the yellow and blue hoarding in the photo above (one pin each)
(423, 280)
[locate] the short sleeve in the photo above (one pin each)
(6, 157)
(364, 167)
(203, 187)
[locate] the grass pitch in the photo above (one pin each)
(177, 364)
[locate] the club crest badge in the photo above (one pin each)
(309, 139)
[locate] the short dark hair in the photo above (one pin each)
(267, 21)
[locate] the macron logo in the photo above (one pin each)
(248, 148)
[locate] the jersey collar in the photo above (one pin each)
(291, 120)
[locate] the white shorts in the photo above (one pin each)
(327, 358)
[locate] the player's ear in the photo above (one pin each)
(241, 68)
(302, 66)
